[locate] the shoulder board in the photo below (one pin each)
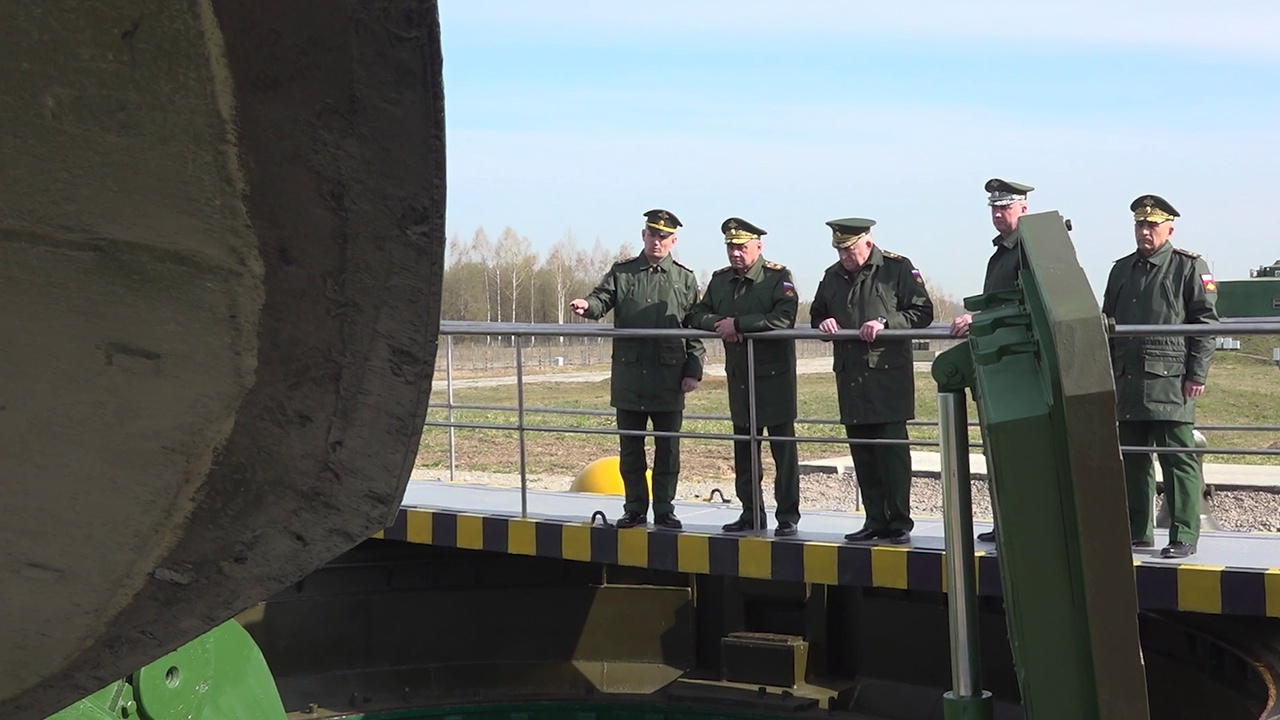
(1188, 253)
(1126, 257)
(773, 265)
(891, 256)
(624, 261)
(682, 266)
(726, 268)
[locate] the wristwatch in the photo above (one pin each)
(883, 321)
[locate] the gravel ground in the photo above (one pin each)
(1238, 510)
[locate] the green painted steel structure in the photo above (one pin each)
(220, 675)
(1037, 362)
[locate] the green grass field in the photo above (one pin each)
(1244, 389)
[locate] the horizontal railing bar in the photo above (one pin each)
(682, 435)
(813, 439)
(933, 332)
(799, 421)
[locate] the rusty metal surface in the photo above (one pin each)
(220, 261)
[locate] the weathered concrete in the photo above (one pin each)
(221, 241)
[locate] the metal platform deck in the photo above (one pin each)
(1232, 574)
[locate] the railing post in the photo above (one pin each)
(966, 700)
(524, 478)
(757, 481)
(448, 381)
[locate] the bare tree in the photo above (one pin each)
(563, 262)
(626, 251)
(945, 307)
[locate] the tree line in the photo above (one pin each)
(506, 280)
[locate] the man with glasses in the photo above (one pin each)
(872, 290)
(650, 376)
(752, 295)
(1159, 378)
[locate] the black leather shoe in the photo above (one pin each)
(988, 536)
(862, 535)
(743, 525)
(632, 519)
(1178, 549)
(785, 529)
(1143, 544)
(668, 520)
(897, 537)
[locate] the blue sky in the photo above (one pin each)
(579, 116)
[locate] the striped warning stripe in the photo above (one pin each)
(1193, 588)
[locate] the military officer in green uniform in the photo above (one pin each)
(650, 375)
(752, 295)
(871, 289)
(1008, 203)
(1159, 378)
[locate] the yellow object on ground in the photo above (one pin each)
(603, 476)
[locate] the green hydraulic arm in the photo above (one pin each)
(220, 675)
(1037, 363)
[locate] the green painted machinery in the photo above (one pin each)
(1258, 296)
(1038, 366)
(219, 676)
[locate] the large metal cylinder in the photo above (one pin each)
(221, 239)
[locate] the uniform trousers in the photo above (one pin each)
(1182, 481)
(633, 462)
(884, 475)
(786, 484)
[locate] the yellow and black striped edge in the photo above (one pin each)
(1187, 587)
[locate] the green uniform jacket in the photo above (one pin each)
(875, 382)
(1002, 268)
(762, 298)
(1167, 288)
(647, 372)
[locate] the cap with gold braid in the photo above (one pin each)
(739, 232)
(662, 221)
(1152, 208)
(1004, 192)
(847, 231)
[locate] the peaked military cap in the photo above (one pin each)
(1152, 208)
(1004, 192)
(662, 220)
(739, 232)
(847, 231)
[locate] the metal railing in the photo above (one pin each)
(451, 329)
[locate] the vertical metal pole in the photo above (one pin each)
(448, 381)
(967, 699)
(524, 479)
(757, 482)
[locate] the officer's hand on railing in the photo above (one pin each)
(870, 329)
(578, 305)
(829, 326)
(726, 330)
(1191, 388)
(960, 326)
(689, 384)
